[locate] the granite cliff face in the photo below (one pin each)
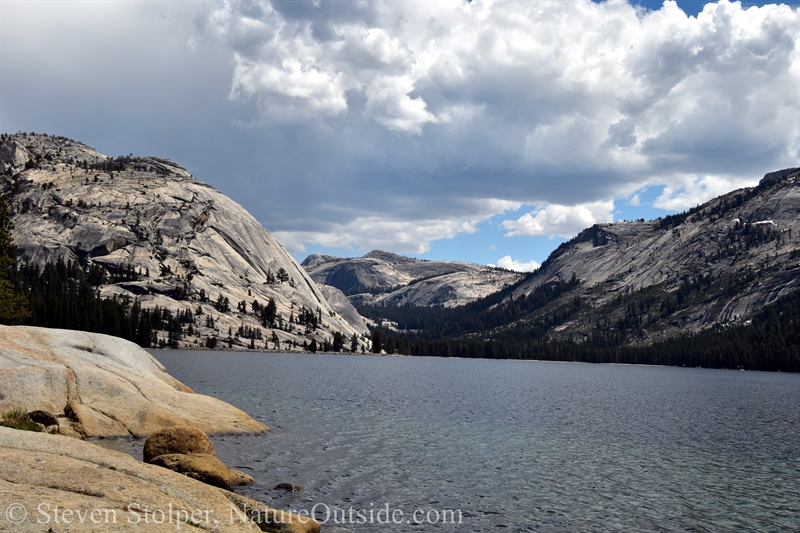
(160, 236)
(341, 305)
(714, 265)
(382, 278)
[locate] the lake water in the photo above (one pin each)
(513, 446)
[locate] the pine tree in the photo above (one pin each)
(354, 343)
(376, 342)
(283, 276)
(338, 341)
(13, 304)
(268, 313)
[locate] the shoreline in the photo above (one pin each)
(458, 358)
(99, 391)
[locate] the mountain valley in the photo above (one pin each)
(148, 237)
(622, 292)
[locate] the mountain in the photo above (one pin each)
(382, 278)
(714, 285)
(715, 264)
(143, 228)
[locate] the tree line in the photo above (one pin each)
(493, 328)
(770, 341)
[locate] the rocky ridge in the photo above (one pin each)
(383, 278)
(709, 267)
(163, 237)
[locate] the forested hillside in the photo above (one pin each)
(712, 286)
(91, 230)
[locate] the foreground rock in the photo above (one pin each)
(188, 451)
(289, 487)
(177, 439)
(240, 479)
(88, 488)
(102, 386)
(44, 418)
(200, 466)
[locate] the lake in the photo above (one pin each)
(440, 444)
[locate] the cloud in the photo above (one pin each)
(368, 233)
(406, 236)
(323, 116)
(604, 94)
(388, 104)
(689, 191)
(291, 90)
(560, 220)
(519, 266)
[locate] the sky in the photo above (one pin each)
(483, 131)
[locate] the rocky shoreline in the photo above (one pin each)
(96, 386)
(103, 386)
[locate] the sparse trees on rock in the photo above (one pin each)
(282, 275)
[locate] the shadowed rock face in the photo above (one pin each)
(342, 305)
(149, 214)
(102, 386)
(753, 231)
(202, 467)
(388, 279)
(13, 157)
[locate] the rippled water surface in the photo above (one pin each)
(515, 446)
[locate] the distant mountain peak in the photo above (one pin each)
(779, 175)
(389, 257)
(384, 278)
(319, 259)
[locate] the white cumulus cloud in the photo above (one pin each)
(560, 220)
(587, 98)
(291, 89)
(689, 191)
(388, 103)
(519, 266)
